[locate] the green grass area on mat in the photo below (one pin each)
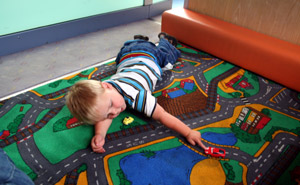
(118, 121)
(69, 141)
(11, 115)
(237, 169)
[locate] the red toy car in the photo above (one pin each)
(215, 152)
(4, 134)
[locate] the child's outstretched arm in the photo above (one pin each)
(98, 140)
(175, 124)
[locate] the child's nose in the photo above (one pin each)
(115, 111)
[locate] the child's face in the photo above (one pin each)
(111, 103)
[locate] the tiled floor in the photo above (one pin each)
(25, 70)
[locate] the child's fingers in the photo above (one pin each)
(97, 144)
(102, 150)
(99, 150)
(199, 142)
(192, 142)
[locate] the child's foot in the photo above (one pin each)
(142, 37)
(171, 39)
(162, 35)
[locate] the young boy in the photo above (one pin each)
(139, 66)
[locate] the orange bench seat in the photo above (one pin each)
(267, 56)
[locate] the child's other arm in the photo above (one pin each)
(175, 124)
(99, 138)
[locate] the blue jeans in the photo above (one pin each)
(10, 174)
(164, 53)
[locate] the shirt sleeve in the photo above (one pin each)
(145, 103)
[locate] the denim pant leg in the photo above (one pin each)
(164, 53)
(168, 53)
(10, 174)
(136, 46)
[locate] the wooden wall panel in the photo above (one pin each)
(277, 18)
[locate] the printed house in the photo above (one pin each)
(251, 120)
(175, 92)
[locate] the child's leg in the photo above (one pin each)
(168, 53)
(171, 39)
(137, 45)
(10, 174)
(165, 52)
(142, 37)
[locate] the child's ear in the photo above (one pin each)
(106, 85)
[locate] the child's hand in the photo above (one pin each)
(194, 138)
(97, 143)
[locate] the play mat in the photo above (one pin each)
(255, 120)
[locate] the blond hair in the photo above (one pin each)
(81, 100)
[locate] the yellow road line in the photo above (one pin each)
(271, 100)
(213, 66)
(245, 171)
(90, 75)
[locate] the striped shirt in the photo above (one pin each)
(135, 79)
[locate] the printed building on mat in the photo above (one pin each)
(175, 92)
(251, 120)
(239, 82)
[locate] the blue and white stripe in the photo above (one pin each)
(135, 80)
